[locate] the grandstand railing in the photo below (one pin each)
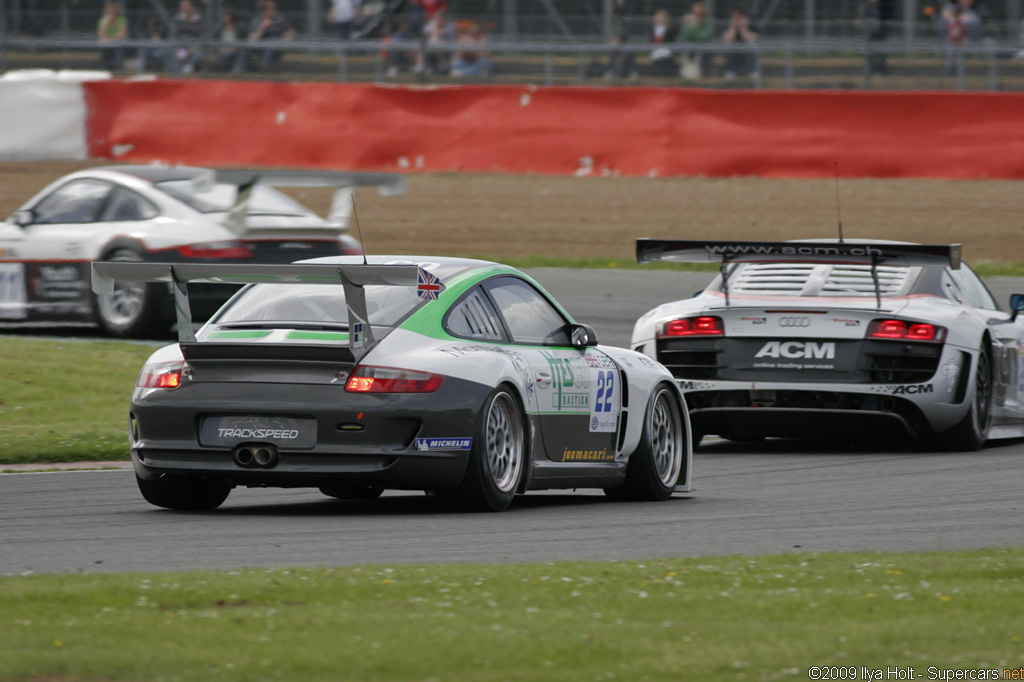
(832, 63)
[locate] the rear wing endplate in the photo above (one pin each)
(352, 277)
(726, 252)
(387, 184)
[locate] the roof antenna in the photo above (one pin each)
(839, 214)
(358, 231)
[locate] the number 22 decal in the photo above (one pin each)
(605, 391)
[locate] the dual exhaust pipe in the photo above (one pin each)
(256, 456)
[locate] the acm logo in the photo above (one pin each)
(798, 349)
(914, 389)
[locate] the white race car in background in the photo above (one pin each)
(167, 214)
(828, 339)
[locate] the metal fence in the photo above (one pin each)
(838, 56)
(541, 19)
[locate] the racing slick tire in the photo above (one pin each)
(131, 311)
(184, 493)
(654, 467)
(972, 432)
(497, 459)
(352, 492)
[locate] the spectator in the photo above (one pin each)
(740, 31)
(970, 18)
(397, 59)
(956, 34)
(158, 50)
(697, 28)
(188, 33)
(943, 16)
(227, 35)
(439, 30)
(471, 59)
(620, 61)
(111, 30)
(663, 33)
(269, 27)
(877, 31)
(343, 14)
(431, 7)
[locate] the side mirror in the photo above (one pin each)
(1016, 305)
(582, 336)
(23, 217)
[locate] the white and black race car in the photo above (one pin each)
(459, 377)
(161, 213)
(829, 339)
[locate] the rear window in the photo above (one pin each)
(316, 303)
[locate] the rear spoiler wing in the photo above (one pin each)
(684, 251)
(726, 252)
(387, 184)
(352, 277)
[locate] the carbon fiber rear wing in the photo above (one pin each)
(352, 277)
(387, 184)
(726, 252)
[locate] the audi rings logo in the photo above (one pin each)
(794, 322)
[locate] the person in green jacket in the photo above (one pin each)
(697, 28)
(112, 28)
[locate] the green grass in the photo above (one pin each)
(66, 400)
(754, 618)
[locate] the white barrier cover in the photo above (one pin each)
(42, 118)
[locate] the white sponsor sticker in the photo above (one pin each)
(12, 291)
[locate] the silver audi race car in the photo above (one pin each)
(163, 214)
(462, 378)
(828, 339)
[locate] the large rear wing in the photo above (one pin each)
(352, 277)
(726, 252)
(685, 251)
(387, 184)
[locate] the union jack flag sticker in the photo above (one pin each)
(428, 286)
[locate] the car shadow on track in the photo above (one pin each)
(421, 506)
(790, 447)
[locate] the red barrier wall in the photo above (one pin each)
(521, 129)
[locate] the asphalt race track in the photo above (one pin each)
(750, 500)
(770, 497)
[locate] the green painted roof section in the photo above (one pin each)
(427, 319)
(240, 335)
(317, 336)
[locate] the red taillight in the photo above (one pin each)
(162, 375)
(706, 325)
(368, 379)
(903, 330)
(216, 250)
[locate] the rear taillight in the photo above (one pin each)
(163, 374)
(369, 379)
(705, 325)
(216, 251)
(901, 330)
